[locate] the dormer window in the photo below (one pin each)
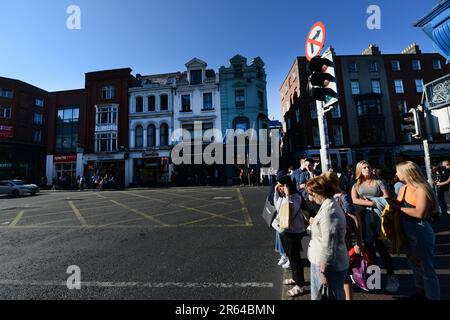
(196, 77)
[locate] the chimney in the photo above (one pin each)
(412, 49)
(371, 50)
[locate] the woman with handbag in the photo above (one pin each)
(417, 202)
(327, 250)
(288, 201)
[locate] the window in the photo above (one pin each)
(437, 64)
(5, 112)
(241, 123)
(196, 76)
(151, 101)
(373, 66)
(313, 110)
(139, 137)
(402, 106)
(105, 142)
(239, 98)
(185, 103)
(108, 92)
(106, 115)
(207, 101)
(336, 112)
(37, 135)
(395, 65)
(238, 73)
(151, 136)
(376, 88)
(139, 104)
(39, 102)
(5, 93)
(419, 85)
(164, 102)
(297, 115)
(355, 87)
(67, 128)
(352, 67)
(338, 137)
(398, 86)
(316, 136)
(415, 64)
(261, 99)
(164, 135)
(369, 106)
(38, 118)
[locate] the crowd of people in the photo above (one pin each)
(344, 214)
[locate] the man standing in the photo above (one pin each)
(443, 175)
(307, 174)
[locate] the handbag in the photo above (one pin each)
(269, 213)
(286, 216)
(359, 264)
(326, 294)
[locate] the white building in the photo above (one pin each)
(151, 125)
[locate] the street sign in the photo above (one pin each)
(315, 40)
(438, 93)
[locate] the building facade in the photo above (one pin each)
(243, 99)
(375, 90)
(23, 130)
(151, 125)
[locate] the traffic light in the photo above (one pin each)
(411, 123)
(322, 81)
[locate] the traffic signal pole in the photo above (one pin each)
(427, 136)
(324, 152)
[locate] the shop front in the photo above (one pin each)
(150, 168)
(21, 162)
(106, 166)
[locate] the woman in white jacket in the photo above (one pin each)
(327, 250)
(285, 192)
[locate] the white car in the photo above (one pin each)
(17, 188)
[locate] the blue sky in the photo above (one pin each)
(159, 36)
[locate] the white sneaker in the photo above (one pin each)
(287, 265)
(283, 260)
(392, 284)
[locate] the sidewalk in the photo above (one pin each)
(404, 273)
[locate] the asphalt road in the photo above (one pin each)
(169, 244)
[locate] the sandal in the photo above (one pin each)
(289, 282)
(295, 291)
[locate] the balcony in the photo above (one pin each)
(105, 127)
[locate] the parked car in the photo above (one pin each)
(17, 188)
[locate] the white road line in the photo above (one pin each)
(230, 285)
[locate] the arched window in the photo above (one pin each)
(164, 135)
(241, 123)
(151, 136)
(139, 104)
(139, 137)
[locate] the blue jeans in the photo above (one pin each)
(419, 245)
(278, 245)
(335, 281)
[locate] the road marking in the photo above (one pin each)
(204, 285)
(119, 222)
(147, 227)
(78, 214)
(17, 218)
(208, 218)
(139, 213)
(195, 198)
(100, 196)
(248, 220)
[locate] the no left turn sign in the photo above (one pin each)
(315, 40)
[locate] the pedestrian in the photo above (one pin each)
(300, 178)
(81, 183)
(54, 182)
(442, 185)
(416, 201)
(353, 235)
(285, 194)
(367, 186)
(327, 250)
(241, 177)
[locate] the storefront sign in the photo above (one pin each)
(150, 154)
(6, 131)
(65, 158)
(5, 165)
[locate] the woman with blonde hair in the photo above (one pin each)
(367, 187)
(416, 200)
